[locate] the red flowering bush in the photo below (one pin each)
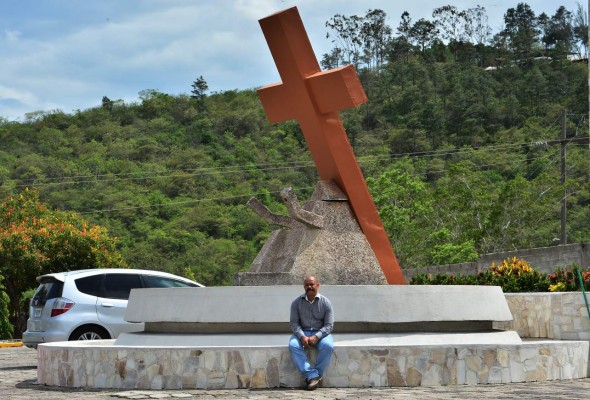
(567, 279)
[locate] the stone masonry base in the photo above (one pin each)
(101, 364)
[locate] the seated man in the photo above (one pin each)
(312, 319)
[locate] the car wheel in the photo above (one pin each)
(90, 333)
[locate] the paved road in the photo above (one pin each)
(18, 376)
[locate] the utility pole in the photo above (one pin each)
(564, 198)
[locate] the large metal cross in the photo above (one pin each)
(313, 98)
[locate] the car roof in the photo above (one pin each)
(61, 276)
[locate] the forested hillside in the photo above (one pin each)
(455, 142)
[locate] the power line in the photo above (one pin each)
(172, 173)
(267, 167)
(250, 166)
(176, 203)
(143, 178)
(196, 172)
(192, 201)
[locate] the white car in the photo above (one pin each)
(89, 304)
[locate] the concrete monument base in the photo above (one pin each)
(236, 337)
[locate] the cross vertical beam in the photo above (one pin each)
(313, 98)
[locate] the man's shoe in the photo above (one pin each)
(312, 384)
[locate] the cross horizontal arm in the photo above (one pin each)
(337, 89)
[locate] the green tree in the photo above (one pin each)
(521, 29)
(403, 29)
(464, 197)
(347, 37)
(107, 103)
(559, 33)
(199, 91)
(423, 33)
(332, 59)
(443, 251)
(406, 208)
(451, 22)
(216, 261)
(376, 37)
(35, 240)
(479, 29)
(6, 328)
(581, 29)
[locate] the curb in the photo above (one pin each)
(10, 343)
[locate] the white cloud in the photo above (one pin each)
(25, 97)
(256, 9)
(11, 36)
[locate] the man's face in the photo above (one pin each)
(311, 286)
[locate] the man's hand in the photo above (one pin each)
(309, 341)
(305, 341)
(313, 340)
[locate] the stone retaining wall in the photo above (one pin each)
(94, 366)
(561, 316)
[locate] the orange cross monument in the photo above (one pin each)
(313, 98)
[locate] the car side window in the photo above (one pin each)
(152, 281)
(118, 286)
(89, 285)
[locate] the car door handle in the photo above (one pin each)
(108, 305)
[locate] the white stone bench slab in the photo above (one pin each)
(247, 309)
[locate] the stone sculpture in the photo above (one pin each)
(320, 238)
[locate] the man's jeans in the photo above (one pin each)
(325, 347)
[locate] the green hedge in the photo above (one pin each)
(514, 276)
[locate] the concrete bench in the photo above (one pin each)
(358, 309)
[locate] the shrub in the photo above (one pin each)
(565, 279)
(512, 266)
(514, 276)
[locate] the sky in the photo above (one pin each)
(67, 54)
